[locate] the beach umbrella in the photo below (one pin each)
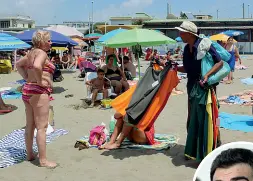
(142, 37)
(92, 36)
(220, 37)
(11, 43)
(65, 30)
(58, 39)
(179, 39)
(110, 34)
(80, 42)
(232, 33)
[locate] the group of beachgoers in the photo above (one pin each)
(37, 69)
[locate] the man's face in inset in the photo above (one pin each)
(237, 172)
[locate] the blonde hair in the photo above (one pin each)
(40, 37)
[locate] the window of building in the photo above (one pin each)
(5, 24)
(245, 37)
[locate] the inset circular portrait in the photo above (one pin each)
(230, 162)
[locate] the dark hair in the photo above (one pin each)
(110, 56)
(100, 71)
(230, 158)
(126, 58)
(231, 37)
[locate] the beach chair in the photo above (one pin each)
(93, 75)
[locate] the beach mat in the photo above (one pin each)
(247, 81)
(165, 142)
(236, 122)
(12, 146)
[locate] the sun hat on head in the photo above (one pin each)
(189, 27)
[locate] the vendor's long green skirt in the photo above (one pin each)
(203, 129)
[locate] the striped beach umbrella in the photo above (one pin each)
(10, 43)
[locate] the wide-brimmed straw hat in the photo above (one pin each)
(189, 27)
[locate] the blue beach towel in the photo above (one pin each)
(11, 95)
(12, 146)
(236, 122)
(247, 81)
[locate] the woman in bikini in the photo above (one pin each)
(115, 75)
(37, 70)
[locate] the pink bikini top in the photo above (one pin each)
(48, 67)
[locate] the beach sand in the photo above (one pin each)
(123, 164)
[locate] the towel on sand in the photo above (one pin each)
(11, 95)
(165, 142)
(247, 81)
(12, 146)
(236, 122)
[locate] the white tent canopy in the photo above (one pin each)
(65, 30)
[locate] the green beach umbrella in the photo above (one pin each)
(142, 37)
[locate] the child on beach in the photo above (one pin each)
(98, 85)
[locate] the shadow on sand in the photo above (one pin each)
(68, 71)
(176, 154)
(58, 90)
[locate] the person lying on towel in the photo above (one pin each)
(124, 130)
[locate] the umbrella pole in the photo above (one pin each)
(139, 66)
(15, 60)
(122, 62)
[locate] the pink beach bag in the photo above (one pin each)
(97, 136)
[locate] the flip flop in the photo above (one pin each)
(5, 111)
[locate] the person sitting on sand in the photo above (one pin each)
(3, 107)
(65, 60)
(98, 85)
(123, 130)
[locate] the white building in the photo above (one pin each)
(81, 26)
(128, 20)
(16, 23)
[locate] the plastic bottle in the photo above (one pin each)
(112, 124)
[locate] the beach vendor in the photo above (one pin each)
(38, 71)
(233, 50)
(3, 107)
(196, 146)
(115, 74)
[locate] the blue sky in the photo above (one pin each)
(57, 11)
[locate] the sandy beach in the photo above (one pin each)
(123, 164)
